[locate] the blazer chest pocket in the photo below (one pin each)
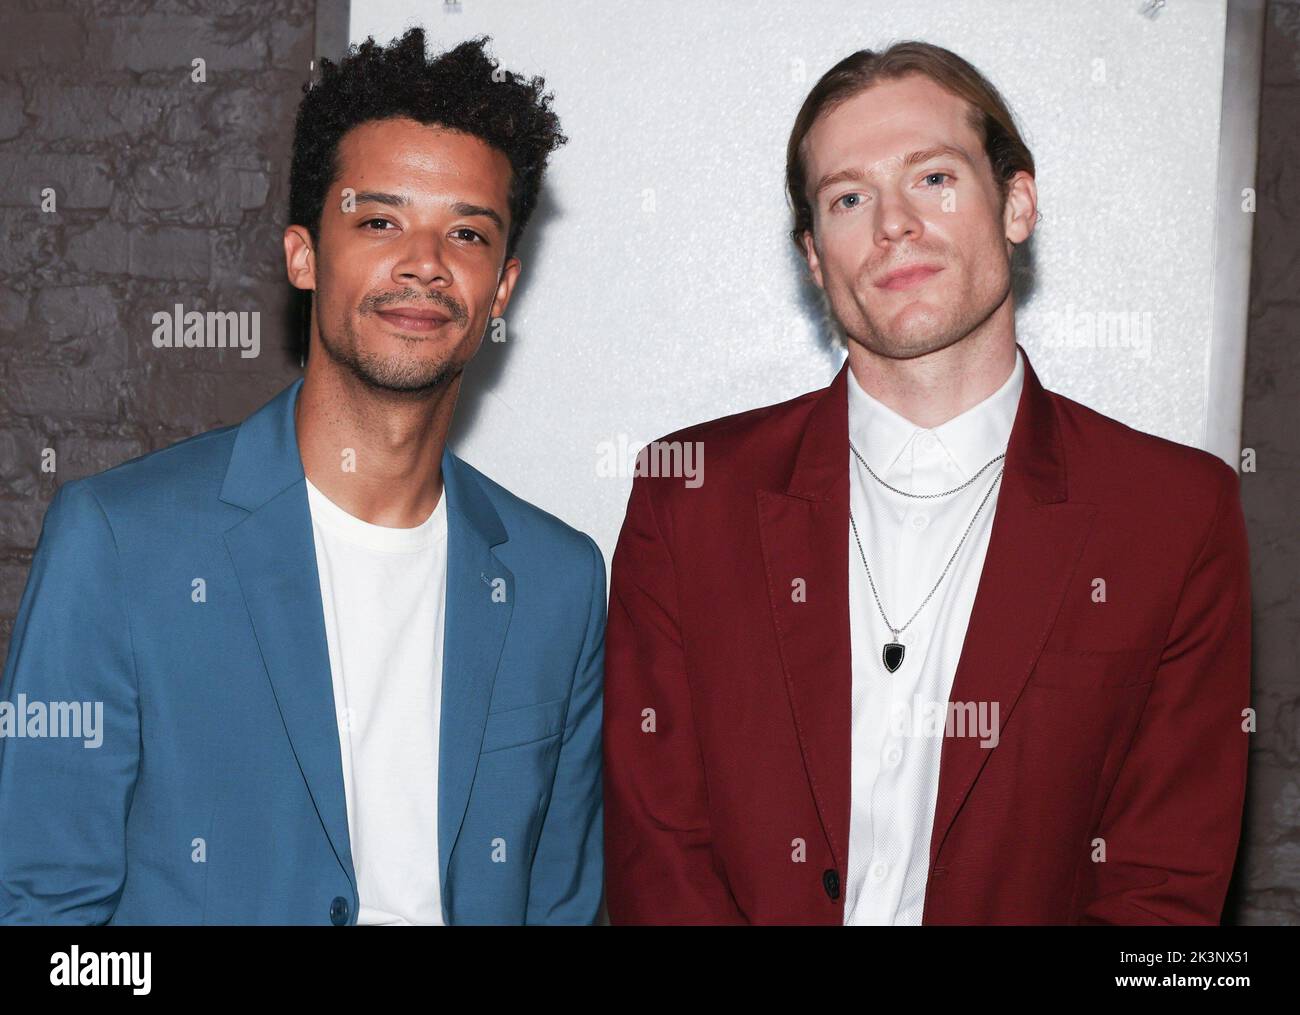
(526, 724)
(1089, 670)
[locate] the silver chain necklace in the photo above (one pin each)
(893, 652)
(923, 496)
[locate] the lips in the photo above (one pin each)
(415, 318)
(906, 278)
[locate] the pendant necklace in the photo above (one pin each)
(892, 653)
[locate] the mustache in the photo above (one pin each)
(377, 301)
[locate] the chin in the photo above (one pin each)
(906, 343)
(404, 373)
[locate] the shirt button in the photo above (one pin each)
(878, 870)
(928, 441)
(831, 882)
(893, 756)
(920, 521)
(339, 911)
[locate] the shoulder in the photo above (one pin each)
(546, 538)
(753, 432)
(146, 486)
(739, 453)
(1108, 455)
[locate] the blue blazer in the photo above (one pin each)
(216, 793)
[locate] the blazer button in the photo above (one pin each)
(831, 882)
(339, 911)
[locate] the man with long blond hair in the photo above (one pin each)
(933, 644)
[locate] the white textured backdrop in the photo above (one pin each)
(660, 288)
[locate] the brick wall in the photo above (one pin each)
(1266, 888)
(168, 191)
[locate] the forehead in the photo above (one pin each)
(405, 155)
(885, 122)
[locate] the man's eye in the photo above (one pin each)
(382, 222)
(930, 176)
(849, 200)
(468, 234)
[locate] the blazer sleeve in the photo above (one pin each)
(64, 800)
(658, 841)
(1173, 819)
(567, 878)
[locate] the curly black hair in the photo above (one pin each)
(462, 90)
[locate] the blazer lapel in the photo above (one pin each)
(274, 556)
(1037, 540)
(480, 600)
(804, 531)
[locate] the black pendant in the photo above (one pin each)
(893, 656)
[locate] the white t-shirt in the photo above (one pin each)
(383, 591)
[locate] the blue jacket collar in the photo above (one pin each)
(265, 462)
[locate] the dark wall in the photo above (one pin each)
(168, 191)
(1267, 885)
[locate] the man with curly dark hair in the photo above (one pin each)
(345, 677)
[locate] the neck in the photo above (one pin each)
(393, 477)
(929, 390)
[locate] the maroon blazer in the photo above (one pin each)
(1121, 720)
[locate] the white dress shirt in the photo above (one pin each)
(895, 753)
(383, 591)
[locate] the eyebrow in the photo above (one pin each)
(909, 160)
(402, 201)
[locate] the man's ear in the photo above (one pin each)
(299, 258)
(505, 286)
(810, 255)
(1020, 211)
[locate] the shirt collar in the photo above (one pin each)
(971, 439)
